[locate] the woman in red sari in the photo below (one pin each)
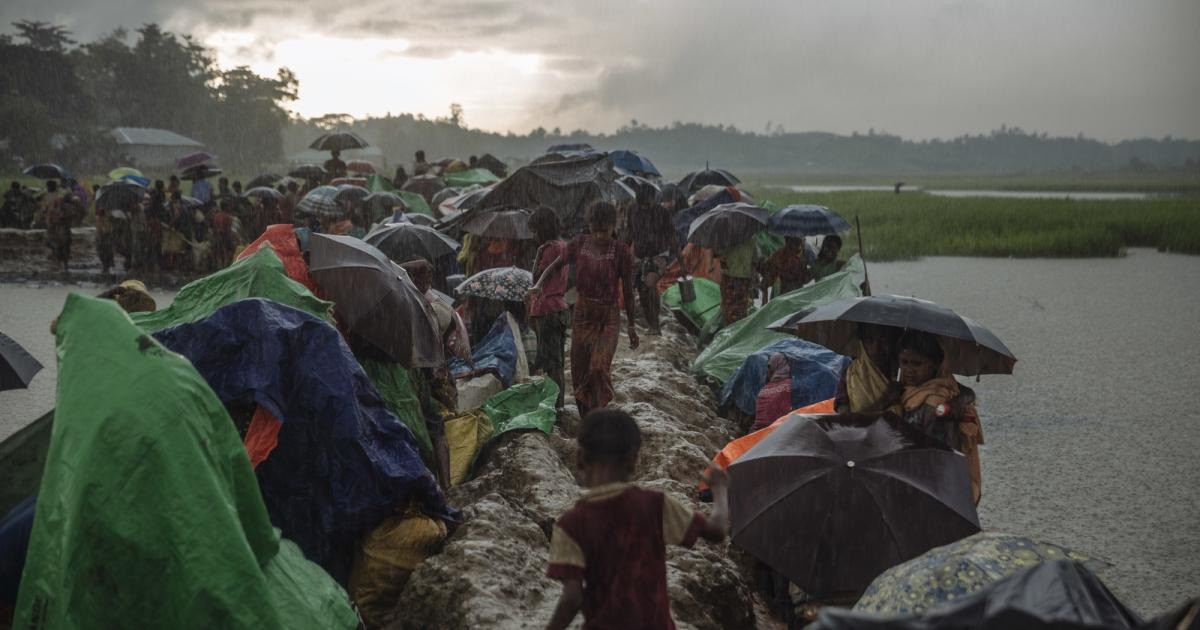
(603, 272)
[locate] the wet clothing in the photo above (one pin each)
(550, 299)
(335, 167)
(551, 330)
(598, 277)
(861, 383)
(595, 331)
(775, 398)
(738, 260)
(614, 540)
(735, 298)
(790, 267)
(821, 269)
(945, 410)
(650, 230)
(202, 190)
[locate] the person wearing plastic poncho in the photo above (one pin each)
(149, 523)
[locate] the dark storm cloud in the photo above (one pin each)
(921, 68)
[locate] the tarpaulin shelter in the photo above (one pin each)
(395, 386)
(705, 307)
(731, 346)
(149, 514)
(569, 185)
(814, 369)
(282, 239)
(343, 462)
(1060, 594)
(260, 275)
(496, 353)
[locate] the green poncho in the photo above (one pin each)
(149, 515)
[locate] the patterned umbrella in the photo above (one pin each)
(958, 569)
(194, 159)
(360, 166)
(726, 225)
(321, 201)
(512, 224)
(263, 192)
(500, 283)
(338, 141)
(806, 220)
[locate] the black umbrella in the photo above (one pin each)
(970, 348)
(119, 195)
(830, 506)
(463, 202)
(512, 224)
(266, 179)
(708, 177)
(308, 171)
(425, 185)
(806, 220)
(17, 366)
(381, 204)
(263, 192)
(48, 171)
(375, 299)
(726, 225)
(350, 194)
(403, 242)
(338, 141)
(646, 191)
(417, 218)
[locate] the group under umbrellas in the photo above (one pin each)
(403, 242)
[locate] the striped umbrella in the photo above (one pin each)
(321, 201)
(806, 220)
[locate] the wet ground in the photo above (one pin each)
(1091, 443)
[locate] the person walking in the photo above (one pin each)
(548, 312)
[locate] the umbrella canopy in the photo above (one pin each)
(360, 166)
(708, 177)
(420, 219)
(375, 299)
(568, 186)
(512, 224)
(425, 185)
(380, 204)
(403, 242)
(17, 366)
(265, 179)
(463, 201)
(726, 225)
(643, 189)
(48, 171)
(321, 201)
(633, 162)
(806, 220)
(831, 506)
(338, 141)
(347, 193)
(263, 192)
(1056, 595)
(500, 283)
(970, 348)
(203, 171)
(194, 159)
(953, 571)
(118, 173)
(143, 182)
(119, 195)
(308, 171)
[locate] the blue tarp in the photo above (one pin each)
(343, 462)
(815, 372)
(497, 353)
(632, 162)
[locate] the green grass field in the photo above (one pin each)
(913, 225)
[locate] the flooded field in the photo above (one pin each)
(1091, 444)
(1006, 194)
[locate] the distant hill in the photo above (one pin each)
(683, 147)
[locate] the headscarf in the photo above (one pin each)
(778, 367)
(864, 382)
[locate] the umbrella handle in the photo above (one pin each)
(863, 256)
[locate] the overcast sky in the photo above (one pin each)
(1111, 69)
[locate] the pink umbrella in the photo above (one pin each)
(194, 159)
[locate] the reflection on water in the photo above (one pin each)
(1012, 194)
(1092, 442)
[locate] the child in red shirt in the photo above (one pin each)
(609, 550)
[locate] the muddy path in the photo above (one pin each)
(491, 572)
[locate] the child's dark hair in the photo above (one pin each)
(609, 435)
(602, 214)
(832, 238)
(544, 223)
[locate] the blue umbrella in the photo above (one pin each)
(806, 220)
(134, 179)
(633, 162)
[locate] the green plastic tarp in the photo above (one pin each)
(705, 307)
(769, 243)
(148, 513)
(400, 397)
(470, 177)
(412, 201)
(525, 406)
(731, 346)
(260, 275)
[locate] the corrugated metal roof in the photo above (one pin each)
(156, 137)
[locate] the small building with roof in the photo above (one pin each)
(154, 148)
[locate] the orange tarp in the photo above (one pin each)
(740, 446)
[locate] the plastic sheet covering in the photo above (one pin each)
(815, 371)
(343, 462)
(524, 406)
(395, 386)
(282, 238)
(480, 176)
(496, 353)
(261, 275)
(705, 307)
(1060, 594)
(466, 435)
(149, 514)
(387, 557)
(731, 346)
